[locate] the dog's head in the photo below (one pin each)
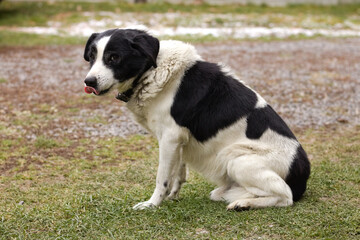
(117, 57)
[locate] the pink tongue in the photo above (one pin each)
(89, 90)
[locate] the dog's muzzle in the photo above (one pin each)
(91, 85)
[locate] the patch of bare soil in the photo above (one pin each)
(310, 83)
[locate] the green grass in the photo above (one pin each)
(88, 194)
(44, 142)
(8, 38)
(38, 13)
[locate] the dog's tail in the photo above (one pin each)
(298, 174)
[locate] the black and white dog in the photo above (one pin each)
(202, 116)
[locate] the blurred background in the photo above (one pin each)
(193, 20)
(72, 164)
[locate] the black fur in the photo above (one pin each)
(298, 174)
(148, 46)
(260, 119)
(208, 101)
(88, 44)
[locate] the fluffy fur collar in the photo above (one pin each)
(173, 60)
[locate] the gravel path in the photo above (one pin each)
(310, 83)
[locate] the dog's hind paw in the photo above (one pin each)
(217, 194)
(238, 206)
(143, 205)
(173, 196)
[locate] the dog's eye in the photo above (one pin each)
(113, 58)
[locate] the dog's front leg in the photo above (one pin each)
(169, 155)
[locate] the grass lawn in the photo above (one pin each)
(65, 189)
(39, 13)
(11, 39)
(8, 38)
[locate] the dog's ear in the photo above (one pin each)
(87, 47)
(148, 46)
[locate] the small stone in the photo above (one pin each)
(342, 120)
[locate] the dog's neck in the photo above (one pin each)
(173, 60)
(126, 95)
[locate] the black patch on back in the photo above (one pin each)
(208, 101)
(298, 174)
(263, 118)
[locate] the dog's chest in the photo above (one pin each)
(154, 113)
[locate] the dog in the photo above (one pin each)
(203, 117)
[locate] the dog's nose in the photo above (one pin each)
(91, 82)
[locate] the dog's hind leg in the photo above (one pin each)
(229, 191)
(236, 193)
(179, 178)
(218, 193)
(261, 186)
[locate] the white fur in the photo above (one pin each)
(249, 173)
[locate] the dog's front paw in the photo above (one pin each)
(143, 205)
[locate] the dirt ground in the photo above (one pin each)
(310, 83)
